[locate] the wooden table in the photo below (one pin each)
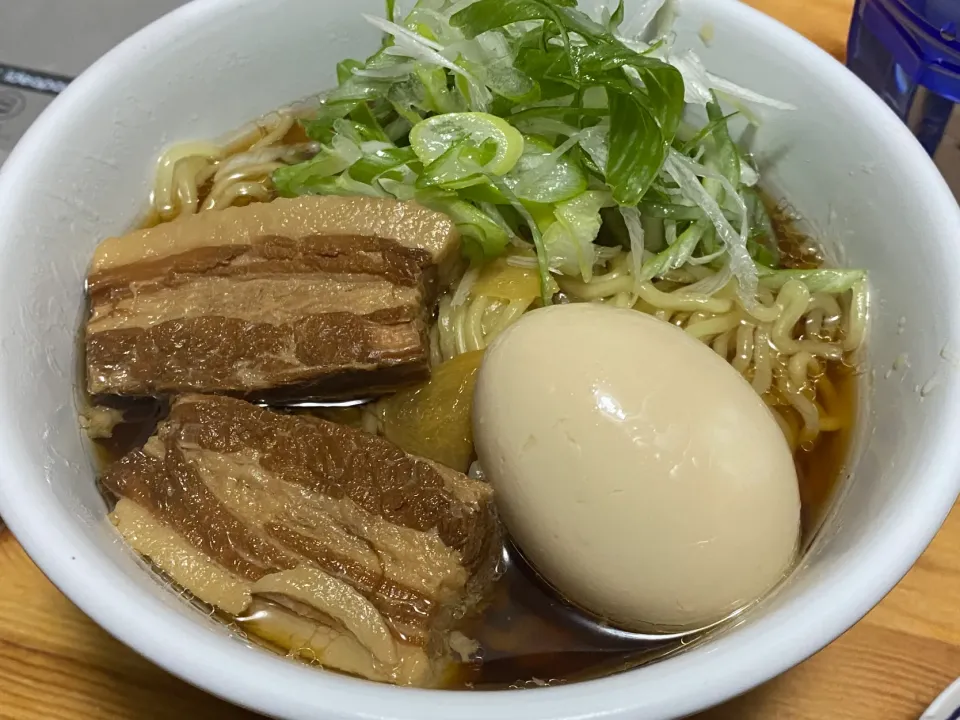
(57, 665)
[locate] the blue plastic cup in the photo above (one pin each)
(908, 51)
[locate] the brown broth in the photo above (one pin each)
(528, 636)
(821, 468)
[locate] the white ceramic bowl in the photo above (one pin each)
(84, 172)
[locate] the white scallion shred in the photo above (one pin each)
(710, 284)
(643, 14)
(521, 261)
(432, 67)
(740, 262)
(698, 82)
(606, 254)
(706, 259)
(664, 20)
(401, 36)
(465, 286)
(413, 45)
(732, 195)
(631, 218)
(670, 232)
(400, 70)
(738, 91)
(675, 256)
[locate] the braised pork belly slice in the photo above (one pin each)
(335, 525)
(326, 297)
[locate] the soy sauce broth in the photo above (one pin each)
(528, 636)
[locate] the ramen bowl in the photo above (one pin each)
(844, 161)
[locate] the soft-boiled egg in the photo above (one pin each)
(636, 470)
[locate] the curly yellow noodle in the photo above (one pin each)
(249, 158)
(742, 359)
(781, 344)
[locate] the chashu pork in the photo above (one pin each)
(326, 297)
(381, 549)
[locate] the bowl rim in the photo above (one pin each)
(290, 690)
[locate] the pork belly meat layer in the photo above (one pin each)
(325, 297)
(235, 502)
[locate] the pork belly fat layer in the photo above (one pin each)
(326, 297)
(239, 494)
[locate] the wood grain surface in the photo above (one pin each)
(826, 22)
(57, 665)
